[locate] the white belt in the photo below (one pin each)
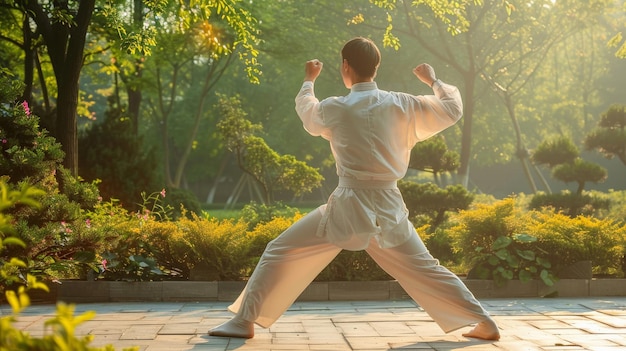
(345, 182)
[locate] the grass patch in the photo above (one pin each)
(221, 213)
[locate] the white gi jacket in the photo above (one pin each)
(371, 134)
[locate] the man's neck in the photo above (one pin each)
(357, 80)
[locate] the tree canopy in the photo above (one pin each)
(526, 69)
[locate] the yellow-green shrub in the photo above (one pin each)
(140, 250)
(492, 242)
(510, 243)
(483, 224)
(353, 266)
(569, 240)
(265, 232)
(163, 240)
(218, 246)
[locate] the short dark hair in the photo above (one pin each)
(362, 55)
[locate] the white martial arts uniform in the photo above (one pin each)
(371, 134)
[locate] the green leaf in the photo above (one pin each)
(528, 255)
(13, 241)
(502, 254)
(493, 260)
(513, 261)
(507, 274)
(546, 277)
(615, 40)
(89, 315)
(482, 272)
(16, 262)
(525, 276)
(501, 242)
(525, 238)
(543, 262)
(13, 301)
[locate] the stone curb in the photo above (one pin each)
(118, 291)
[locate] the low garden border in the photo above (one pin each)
(75, 291)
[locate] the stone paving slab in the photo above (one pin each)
(528, 324)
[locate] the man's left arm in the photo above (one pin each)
(309, 109)
(434, 113)
(450, 98)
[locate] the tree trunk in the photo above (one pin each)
(134, 103)
(164, 109)
(65, 48)
(182, 161)
(29, 61)
(521, 152)
(166, 152)
(67, 100)
(212, 76)
(218, 175)
(581, 187)
(134, 94)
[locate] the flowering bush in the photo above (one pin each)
(28, 153)
(58, 243)
(138, 243)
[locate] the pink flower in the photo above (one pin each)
(4, 141)
(104, 264)
(26, 108)
(88, 223)
(66, 227)
(163, 192)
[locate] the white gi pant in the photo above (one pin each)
(293, 260)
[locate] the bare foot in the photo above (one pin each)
(234, 328)
(486, 330)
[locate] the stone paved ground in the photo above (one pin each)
(559, 324)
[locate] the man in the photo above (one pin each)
(371, 134)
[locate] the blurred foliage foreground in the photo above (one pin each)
(60, 330)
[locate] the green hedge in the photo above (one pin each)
(501, 238)
(501, 241)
